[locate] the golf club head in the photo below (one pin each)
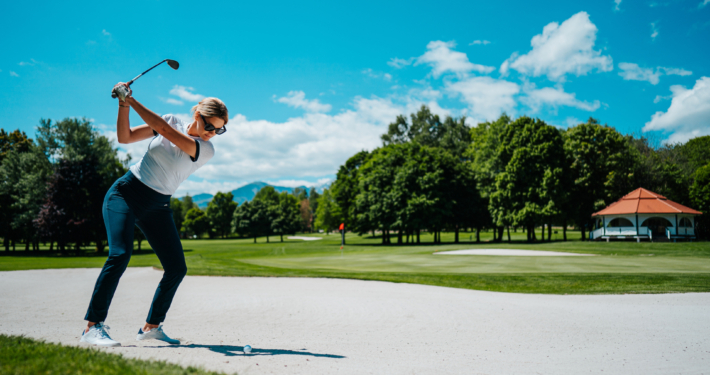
(173, 64)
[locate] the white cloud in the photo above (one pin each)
(442, 59)
(654, 30)
(616, 5)
(184, 93)
(486, 97)
(562, 49)
(14, 74)
(172, 101)
(313, 145)
(308, 147)
(633, 72)
(676, 71)
(373, 74)
(106, 33)
(475, 42)
(298, 183)
(297, 99)
(400, 63)
(32, 62)
(659, 98)
(554, 97)
(703, 4)
(688, 115)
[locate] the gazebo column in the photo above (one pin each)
(637, 224)
(676, 224)
(604, 225)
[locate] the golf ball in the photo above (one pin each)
(247, 349)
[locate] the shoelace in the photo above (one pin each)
(103, 331)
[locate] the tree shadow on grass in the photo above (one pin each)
(233, 350)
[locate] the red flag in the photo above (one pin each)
(342, 226)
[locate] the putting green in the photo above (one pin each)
(416, 263)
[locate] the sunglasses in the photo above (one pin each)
(209, 127)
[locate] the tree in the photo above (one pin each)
(700, 194)
(328, 216)
(82, 158)
(178, 214)
(253, 219)
(16, 141)
(23, 183)
(345, 189)
(528, 191)
(72, 210)
(601, 169)
(486, 163)
(267, 194)
(306, 215)
(469, 209)
(287, 216)
(220, 212)
(313, 203)
(196, 223)
(300, 193)
(377, 202)
(427, 129)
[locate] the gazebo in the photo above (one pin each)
(643, 214)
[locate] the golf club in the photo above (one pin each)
(122, 91)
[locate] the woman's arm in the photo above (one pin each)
(124, 133)
(157, 123)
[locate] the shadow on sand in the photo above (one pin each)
(231, 350)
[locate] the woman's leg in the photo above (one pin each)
(159, 229)
(119, 221)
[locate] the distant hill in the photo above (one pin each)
(247, 193)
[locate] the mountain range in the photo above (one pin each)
(248, 191)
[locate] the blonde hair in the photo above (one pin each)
(212, 107)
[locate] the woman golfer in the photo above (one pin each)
(142, 197)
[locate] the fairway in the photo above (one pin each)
(616, 267)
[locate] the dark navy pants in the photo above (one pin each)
(129, 202)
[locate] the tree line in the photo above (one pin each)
(522, 173)
(428, 175)
(269, 213)
(52, 190)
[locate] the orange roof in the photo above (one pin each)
(642, 201)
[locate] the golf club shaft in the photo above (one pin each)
(131, 81)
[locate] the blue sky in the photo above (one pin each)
(310, 84)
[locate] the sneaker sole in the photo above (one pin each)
(102, 345)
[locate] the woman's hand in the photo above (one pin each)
(124, 90)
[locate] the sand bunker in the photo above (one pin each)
(326, 326)
(305, 238)
(512, 253)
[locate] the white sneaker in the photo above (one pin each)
(98, 335)
(156, 334)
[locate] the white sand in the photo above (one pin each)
(304, 238)
(515, 253)
(327, 326)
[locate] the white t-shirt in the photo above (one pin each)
(165, 166)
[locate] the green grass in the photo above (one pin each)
(618, 267)
(20, 355)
